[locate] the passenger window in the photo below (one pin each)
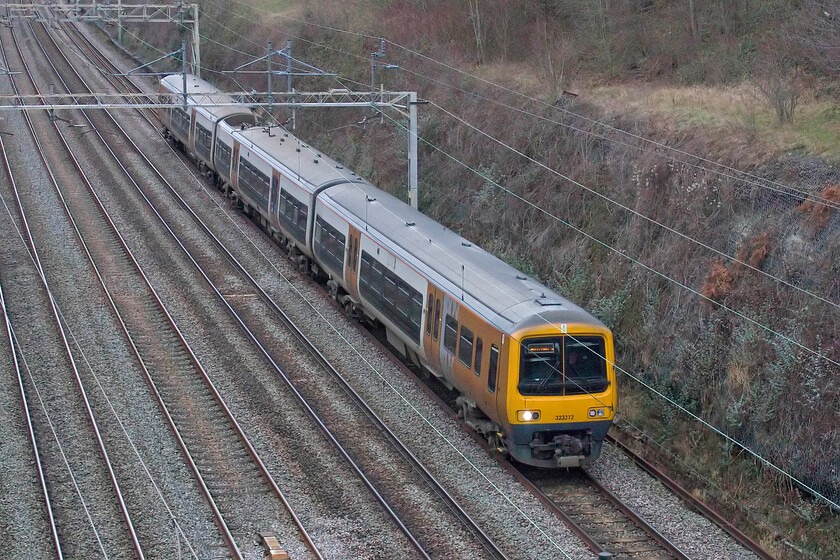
(437, 319)
(478, 350)
(465, 346)
(494, 368)
(450, 334)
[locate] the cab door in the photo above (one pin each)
(432, 328)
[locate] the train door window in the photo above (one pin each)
(350, 245)
(437, 319)
(450, 334)
(429, 316)
(356, 253)
(465, 346)
(494, 368)
(275, 193)
(478, 351)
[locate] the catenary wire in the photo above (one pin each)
(680, 284)
(571, 180)
(699, 158)
(751, 178)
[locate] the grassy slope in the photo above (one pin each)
(779, 398)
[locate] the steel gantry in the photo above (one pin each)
(117, 13)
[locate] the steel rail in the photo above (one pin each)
(33, 440)
(451, 502)
(80, 384)
(689, 498)
(653, 533)
(219, 518)
(313, 415)
(228, 413)
(226, 532)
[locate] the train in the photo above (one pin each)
(534, 373)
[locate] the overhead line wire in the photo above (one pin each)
(731, 310)
(640, 381)
(748, 319)
(622, 253)
(605, 197)
(752, 179)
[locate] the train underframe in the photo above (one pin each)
(540, 445)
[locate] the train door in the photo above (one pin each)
(191, 133)
(432, 332)
(351, 262)
(492, 379)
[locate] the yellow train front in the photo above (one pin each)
(560, 390)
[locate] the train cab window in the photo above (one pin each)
(437, 319)
(465, 346)
(562, 365)
(450, 334)
(478, 351)
(585, 365)
(494, 368)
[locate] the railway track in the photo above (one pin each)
(202, 424)
(374, 422)
(16, 359)
(104, 524)
(472, 532)
(240, 295)
(600, 518)
(608, 525)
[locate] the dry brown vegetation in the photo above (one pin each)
(629, 230)
(818, 214)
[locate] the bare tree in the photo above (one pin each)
(783, 93)
(478, 30)
(692, 19)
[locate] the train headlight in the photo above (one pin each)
(597, 412)
(527, 415)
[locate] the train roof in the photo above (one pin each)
(501, 294)
(298, 159)
(205, 95)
